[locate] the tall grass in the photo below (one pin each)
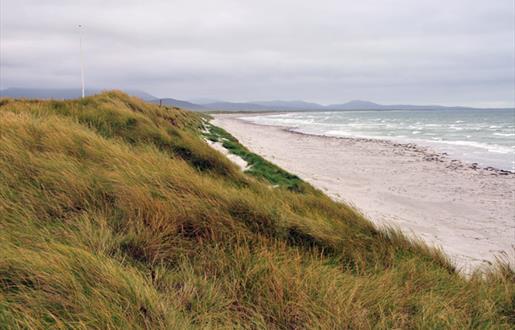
(114, 213)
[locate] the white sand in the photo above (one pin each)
(240, 162)
(468, 212)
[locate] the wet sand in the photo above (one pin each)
(466, 210)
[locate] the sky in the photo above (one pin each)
(452, 52)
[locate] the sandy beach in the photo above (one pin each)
(466, 210)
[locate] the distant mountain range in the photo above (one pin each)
(180, 104)
(203, 104)
(307, 106)
(367, 105)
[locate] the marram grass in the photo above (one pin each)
(114, 213)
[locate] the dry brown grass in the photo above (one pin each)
(115, 214)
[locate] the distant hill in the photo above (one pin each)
(300, 105)
(367, 105)
(307, 106)
(63, 93)
(204, 100)
(356, 105)
(205, 104)
(179, 104)
(235, 106)
(276, 105)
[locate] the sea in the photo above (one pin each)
(482, 136)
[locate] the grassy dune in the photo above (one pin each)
(115, 213)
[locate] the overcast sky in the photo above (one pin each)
(454, 52)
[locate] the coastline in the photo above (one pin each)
(426, 152)
(463, 208)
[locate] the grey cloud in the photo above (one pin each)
(392, 51)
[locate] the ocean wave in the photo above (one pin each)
(278, 121)
(504, 134)
(340, 133)
(485, 146)
(336, 132)
(484, 138)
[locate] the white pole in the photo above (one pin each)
(81, 61)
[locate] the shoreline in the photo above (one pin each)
(431, 155)
(458, 206)
(428, 152)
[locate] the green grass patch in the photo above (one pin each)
(258, 166)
